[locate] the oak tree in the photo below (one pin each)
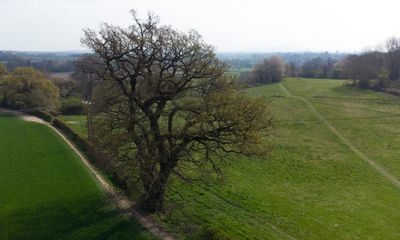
(29, 88)
(165, 106)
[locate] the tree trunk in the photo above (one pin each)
(153, 199)
(89, 120)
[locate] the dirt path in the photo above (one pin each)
(126, 206)
(360, 154)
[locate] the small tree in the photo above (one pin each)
(28, 88)
(269, 70)
(164, 106)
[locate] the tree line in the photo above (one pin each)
(46, 62)
(377, 68)
(372, 68)
(245, 60)
(29, 88)
(274, 68)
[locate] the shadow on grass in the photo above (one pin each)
(88, 218)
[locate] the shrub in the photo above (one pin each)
(43, 115)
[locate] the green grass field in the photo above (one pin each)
(312, 186)
(47, 193)
(77, 123)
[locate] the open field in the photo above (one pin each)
(312, 186)
(77, 123)
(47, 193)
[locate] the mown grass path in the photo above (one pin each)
(360, 154)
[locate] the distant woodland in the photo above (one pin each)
(51, 62)
(377, 68)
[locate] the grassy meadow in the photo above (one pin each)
(77, 123)
(47, 193)
(312, 185)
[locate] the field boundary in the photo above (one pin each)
(344, 140)
(120, 201)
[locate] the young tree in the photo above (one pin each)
(163, 104)
(28, 88)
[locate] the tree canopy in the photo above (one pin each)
(164, 106)
(3, 70)
(269, 70)
(29, 88)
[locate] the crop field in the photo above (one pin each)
(313, 185)
(47, 193)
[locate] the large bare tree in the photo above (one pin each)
(164, 105)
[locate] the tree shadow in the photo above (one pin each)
(91, 217)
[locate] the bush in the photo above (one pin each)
(72, 106)
(43, 115)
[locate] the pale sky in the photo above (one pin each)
(229, 25)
